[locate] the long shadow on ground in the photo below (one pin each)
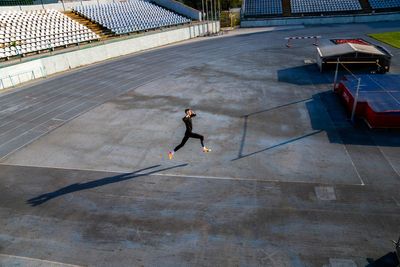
(96, 183)
(328, 114)
(304, 75)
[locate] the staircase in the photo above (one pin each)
(287, 11)
(104, 33)
(366, 7)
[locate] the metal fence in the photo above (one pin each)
(18, 78)
(16, 2)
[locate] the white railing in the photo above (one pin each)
(21, 77)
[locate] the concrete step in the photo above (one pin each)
(96, 28)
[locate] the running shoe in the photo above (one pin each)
(206, 149)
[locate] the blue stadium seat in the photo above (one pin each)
(321, 6)
(378, 4)
(262, 7)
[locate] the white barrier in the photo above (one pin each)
(15, 78)
(316, 38)
(22, 72)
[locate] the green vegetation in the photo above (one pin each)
(229, 19)
(390, 38)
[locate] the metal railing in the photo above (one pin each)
(21, 77)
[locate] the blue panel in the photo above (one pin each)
(382, 92)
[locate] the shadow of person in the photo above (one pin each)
(388, 260)
(96, 183)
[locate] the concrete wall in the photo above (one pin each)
(247, 23)
(26, 71)
(180, 8)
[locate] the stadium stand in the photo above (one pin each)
(380, 4)
(26, 2)
(322, 6)
(263, 7)
(132, 16)
(15, 2)
(23, 32)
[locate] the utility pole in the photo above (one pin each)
(211, 9)
(207, 10)
(219, 9)
(215, 9)
(208, 31)
(202, 9)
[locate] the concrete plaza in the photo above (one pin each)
(85, 179)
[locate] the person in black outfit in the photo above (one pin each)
(189, 133)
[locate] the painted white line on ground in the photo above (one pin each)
(22, 146)
(38, 260)
(209, 177)
(66, 168)
(388, 160)
(354, 165)
(344, 145)
(246, 179)
(395, 201)
(185, 175)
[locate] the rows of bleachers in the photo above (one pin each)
(321, 6)
(23, 32)
(132, 16)
(379, 4)
(263, 7)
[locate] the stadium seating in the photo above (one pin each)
(132, 16)
(322, 6)
(36, 30)
(262, 7)
(377, 4)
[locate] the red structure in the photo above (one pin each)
(378, 99)
(352, 41)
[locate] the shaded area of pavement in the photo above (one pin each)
(96, 183)
(169, 221)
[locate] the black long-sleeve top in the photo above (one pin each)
(188, 122)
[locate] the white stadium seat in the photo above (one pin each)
(35, 30)
(132, 16)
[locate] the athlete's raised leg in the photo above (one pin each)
(199, 136)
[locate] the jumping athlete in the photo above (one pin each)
(188, 123)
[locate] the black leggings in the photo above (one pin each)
(186, 137)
